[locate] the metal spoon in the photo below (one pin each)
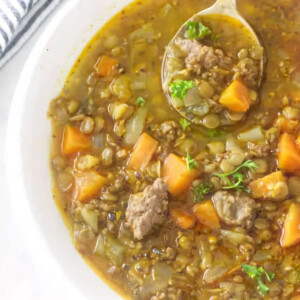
(221, 7)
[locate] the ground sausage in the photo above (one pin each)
(199, 57)
(235, 210)
(147, 210)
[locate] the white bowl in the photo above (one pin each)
(28, 140)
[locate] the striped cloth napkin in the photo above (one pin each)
(18, 21)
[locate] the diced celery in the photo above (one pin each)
(135, 126)
(90, 217)
(253, 135)
(100, 246)
(115, 251)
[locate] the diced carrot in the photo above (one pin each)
(285, 125)
(181, 218)
(272, 186)
(106, 66)
(291, 229)
(177, 175)
(297, 297)
(236, 97)
(143, 152)
(88, 185)
(206, 214)
(75, 141)
(289, 154)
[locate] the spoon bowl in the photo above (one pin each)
(224, 8)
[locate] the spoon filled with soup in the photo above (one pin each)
(213, 67)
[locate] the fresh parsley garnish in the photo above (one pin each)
(257, 273)
(202, 189)
(140, 101)
(215, 132)
(190, 162)
(196, 30)
(234, 179)
(184, 123)
(179, 88)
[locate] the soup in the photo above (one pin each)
(160, 206)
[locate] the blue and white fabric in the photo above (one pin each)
(18, 21)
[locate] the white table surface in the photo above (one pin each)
(22, 276)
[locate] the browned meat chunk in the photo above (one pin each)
(199, 56)
(147, 210)
(169, 131)
(248, 70)
(237, 210)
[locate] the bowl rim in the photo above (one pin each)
(22, 213)
(14, 123)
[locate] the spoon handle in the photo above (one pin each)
(226, 4)
(223, 7)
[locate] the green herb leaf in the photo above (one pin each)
(234, 179)
(257, 273)
(252, 271)
(202, 189)
(237, 183)
(215, 132)
(250, 164)
(140, 101)
(179, 88)
(184, 123)
(196, 30)
(263, 289)
(190, 162)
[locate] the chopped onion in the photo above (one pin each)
(90, 217)
(150, 287)
(114, 251)
(161, 275)
(166, 10)
(144, 32)
(100, 247)
(232, 145)
(162, 272)
(262, 255)
(253, 135)
(234, 237)
(214, 273)
(135, 126)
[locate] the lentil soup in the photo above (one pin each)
(167, 207)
